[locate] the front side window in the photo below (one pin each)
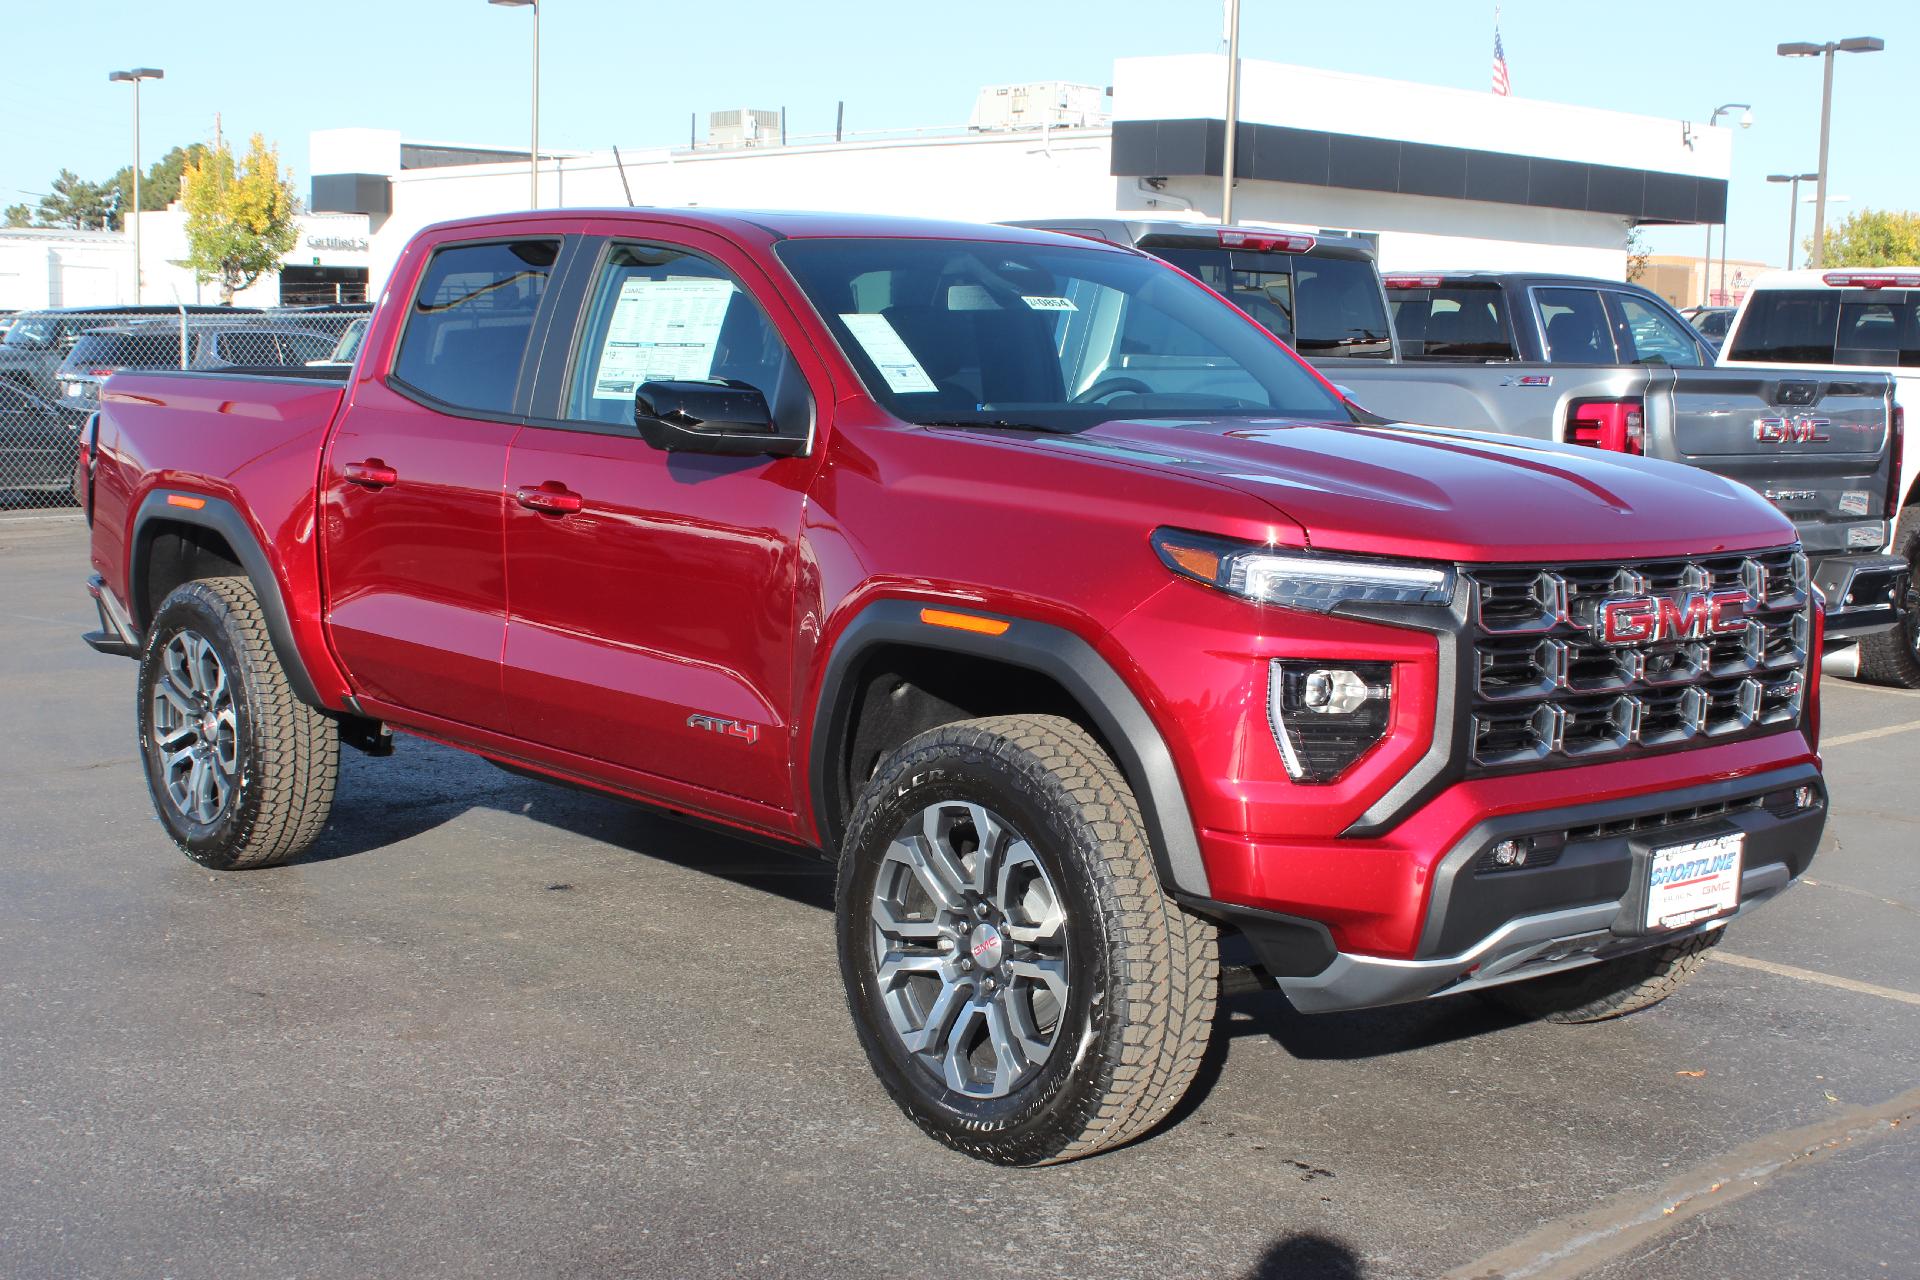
(1046, 337)
(1647, 335)
(1576, 326)
(664, 315)
(470, 320)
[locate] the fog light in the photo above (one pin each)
(1511, 853)
(1325, 717)
(1805, 797)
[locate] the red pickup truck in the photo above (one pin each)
(1055, 600)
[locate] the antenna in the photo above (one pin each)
(620, 164)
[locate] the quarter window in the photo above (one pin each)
(470, 321)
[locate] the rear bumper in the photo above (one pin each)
(117, 634)
(1863, 593)
(1485, 927)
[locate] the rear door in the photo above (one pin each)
(414, 483)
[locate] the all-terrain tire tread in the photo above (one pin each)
(1888, 657)
(1610, 989)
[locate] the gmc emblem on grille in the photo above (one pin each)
(1689, 615)
(1799, 429)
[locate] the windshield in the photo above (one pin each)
(1054, 338)
(1324, 306)
(30, 331)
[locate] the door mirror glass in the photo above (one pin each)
(719, 416)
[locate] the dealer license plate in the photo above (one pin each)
(1694, 881)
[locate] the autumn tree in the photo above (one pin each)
(1874, 238)
(240, 216)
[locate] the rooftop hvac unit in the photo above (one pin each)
(1039, 104)
(744, 128)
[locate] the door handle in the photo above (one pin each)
(552, 497)
(374, 474)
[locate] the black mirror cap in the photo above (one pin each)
(720, 417)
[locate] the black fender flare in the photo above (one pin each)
(1053, 651)
(223, 518)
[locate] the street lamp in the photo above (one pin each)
(1803, 49)
(534, 172)
(1706, 265)
(1793, 204)
(1228, 158)
(134, 77)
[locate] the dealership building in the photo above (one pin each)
(1435, 177)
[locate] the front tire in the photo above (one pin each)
(1023, 987)
(241, 771)
(1893, 657)
(1610, 988)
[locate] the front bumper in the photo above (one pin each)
(1863, 593)
(1485, 927)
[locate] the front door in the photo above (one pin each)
(651, 594)
(415, 494)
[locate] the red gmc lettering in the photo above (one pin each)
(1628, 621)
(1648, 620)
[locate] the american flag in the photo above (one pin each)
(1500, 85)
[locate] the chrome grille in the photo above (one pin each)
(1546, 691)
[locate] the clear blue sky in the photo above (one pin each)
(628, 72)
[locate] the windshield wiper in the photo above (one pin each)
(1003, 423)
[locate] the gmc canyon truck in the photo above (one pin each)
(1051, 597)
(1592, 362)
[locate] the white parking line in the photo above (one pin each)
(1838, 685)
(1812, 975)
(1866, 734)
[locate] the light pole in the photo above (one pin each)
(534, 171)
(134, 77)
(1793, 204)
(1803, 49)
(1706, 265)
(1233, 110)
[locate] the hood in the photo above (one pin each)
(1433, 493)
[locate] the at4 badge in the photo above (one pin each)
(731, 728)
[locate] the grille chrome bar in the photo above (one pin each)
(1545, 691)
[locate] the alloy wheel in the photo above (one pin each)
(195, 732)
(970, 949)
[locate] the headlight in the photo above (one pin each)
(1301, 579)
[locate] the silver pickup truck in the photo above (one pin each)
(1572, 359)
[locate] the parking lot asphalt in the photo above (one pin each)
(495, 1028)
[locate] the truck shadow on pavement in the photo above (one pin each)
(1307, 1256)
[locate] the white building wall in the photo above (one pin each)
(49, 268)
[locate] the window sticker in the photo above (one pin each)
(661, 330)
(970, 297)
(876, 334)
(1050, 304)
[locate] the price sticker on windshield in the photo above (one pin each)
(1049, 304)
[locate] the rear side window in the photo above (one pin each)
(1458, 322)
(471, 318)
(1576, 326)
(1322, 305)
(1647, 335)
(248, 348)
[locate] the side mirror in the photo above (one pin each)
(725, 417)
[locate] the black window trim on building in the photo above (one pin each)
(1313, 157)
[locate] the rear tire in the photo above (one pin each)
(1893, 657)
(1609, 989)
(1022, 986)
(241, 771)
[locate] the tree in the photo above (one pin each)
(18, 215)
(160, 184)
(1638, 253)
(1873, 238)
(75, 202)
(240, 217)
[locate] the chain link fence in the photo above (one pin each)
(54, 363)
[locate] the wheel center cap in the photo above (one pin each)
(986, 945)
(209, 726)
